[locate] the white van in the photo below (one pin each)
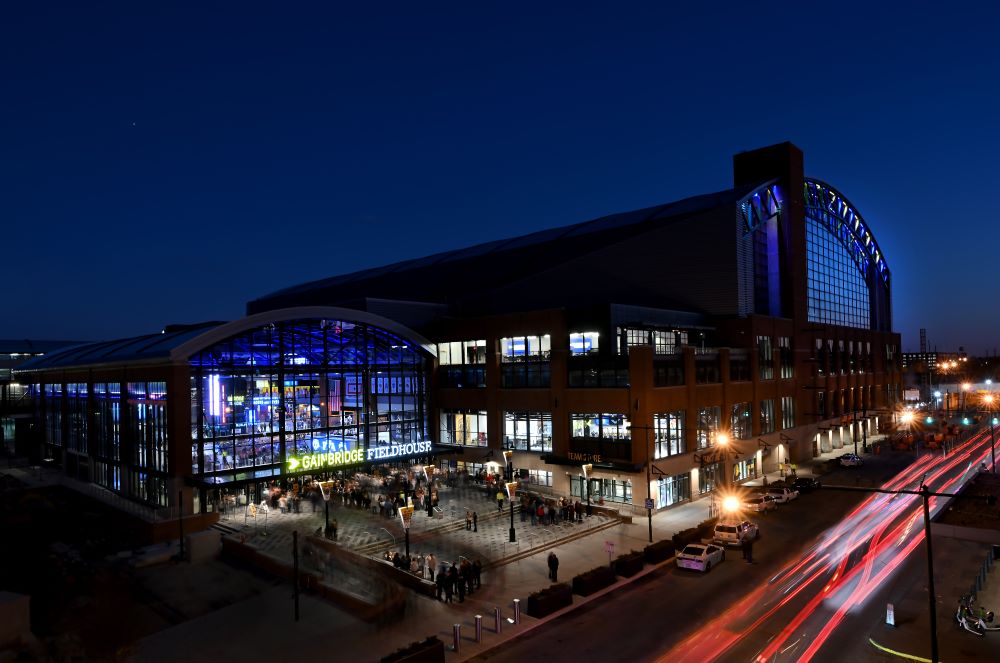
(734, 533)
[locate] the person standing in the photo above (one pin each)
(499, 501)
(333, 525)
(431, 565)
(477, 573)
(553, 567)
(475, 521)
(748, 550)
(468, 520)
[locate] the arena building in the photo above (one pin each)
(655, 354)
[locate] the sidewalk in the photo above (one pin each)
(956, 564)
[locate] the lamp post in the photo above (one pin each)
(511, 493)
(988, 402)
(508, 458)
(722, 439)
(405, 515)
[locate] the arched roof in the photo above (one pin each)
(844, 221)
(217, 334)
(177, 343)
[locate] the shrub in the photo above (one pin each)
(593, 580)
(630, 564)
(549, 600)
(660, 551)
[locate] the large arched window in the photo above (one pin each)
(301, 386)
(848, 279)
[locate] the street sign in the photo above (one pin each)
(649, 503)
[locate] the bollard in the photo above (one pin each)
(479, 628)
(517, 611)
(496, 617)
(457, 635)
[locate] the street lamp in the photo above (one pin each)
(722, 439)
(511, 492)
(508, 457)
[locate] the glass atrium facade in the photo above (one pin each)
(316, 393)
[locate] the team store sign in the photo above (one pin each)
(329, 459)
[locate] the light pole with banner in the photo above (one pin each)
(508, 458)
(587, 469)
(429, 474)
(326, 490)
(405, 515)
(511, 493)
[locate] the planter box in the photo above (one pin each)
(547, 601)
(658, 552)
(628, 565)
(594, 580)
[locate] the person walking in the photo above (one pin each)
(553, 567)
(748, 550)
(477, 573)
(499, 501)
(475, 521)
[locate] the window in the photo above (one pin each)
(461, 352)
(605, 426)
(463, 427)
(785, 358)
(664, 341)
(765, 358)
(462, 364)
(672, 490)
(740, 421)
(668, 373)
(539, 478)
(709, 423)
(584, 343)
(821, 405)
(525, 361)
(669, 434)
(787, 412)
(767, 416)
(707, 369)
(836, 290)
(739, 366)
(528, 431)
(607, 435)
(709, 478)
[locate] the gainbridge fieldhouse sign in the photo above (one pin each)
(356, 456)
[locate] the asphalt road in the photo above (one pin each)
(651, 616)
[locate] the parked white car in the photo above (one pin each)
(851, 460)
(700, 556)
(782, 494)
(760, 503)
(735, 533)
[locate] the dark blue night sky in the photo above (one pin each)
(166, 163)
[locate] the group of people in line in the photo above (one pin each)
(457, 578)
